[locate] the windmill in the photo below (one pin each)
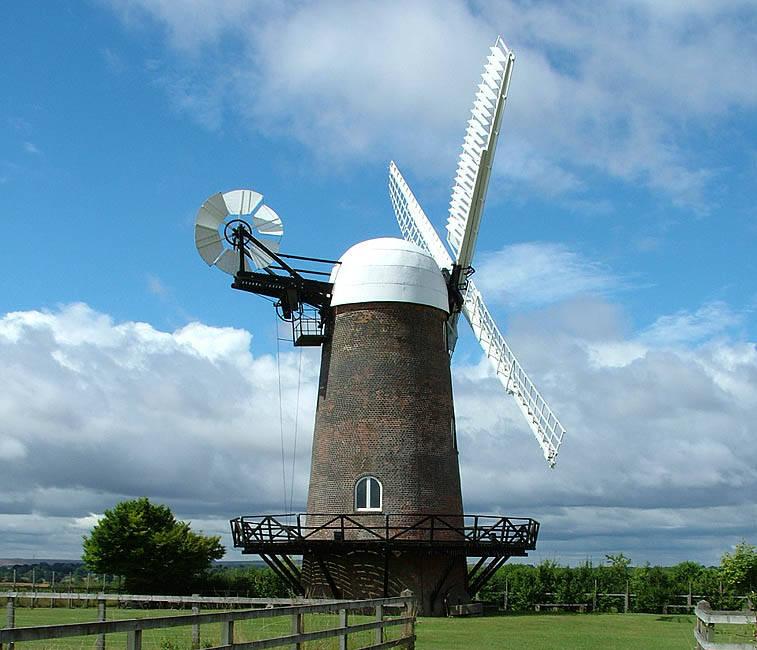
(385, 510)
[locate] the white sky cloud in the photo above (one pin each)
(616, 91)
(105, 411)
(539, 273)
(686, 327)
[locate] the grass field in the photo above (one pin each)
(521, 632)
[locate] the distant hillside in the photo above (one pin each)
(20, 561)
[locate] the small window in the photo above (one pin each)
(368, 494)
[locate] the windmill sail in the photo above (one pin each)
(543, 422)
(417, 228)
(475, 162)
(413, 221)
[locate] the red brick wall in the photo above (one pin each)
(385, 409)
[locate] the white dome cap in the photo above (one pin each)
(388, 270)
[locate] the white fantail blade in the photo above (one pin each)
(229, 262)
(543, 423)
(242, 201)
(477, 156)
(208, 243)
(213, 212)
(218, 211)
(268, 222)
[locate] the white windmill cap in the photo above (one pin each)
(388, 270)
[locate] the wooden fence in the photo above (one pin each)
(707, 618)
(297, 613)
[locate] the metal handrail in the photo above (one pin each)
(478, 529)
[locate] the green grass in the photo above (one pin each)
(522, 632)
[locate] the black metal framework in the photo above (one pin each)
(301, 301)
(492, 539)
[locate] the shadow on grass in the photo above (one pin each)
(674, 618)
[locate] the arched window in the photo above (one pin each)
(368, 494)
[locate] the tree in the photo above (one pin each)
(653, 588)
(152, 550)
(739, 569)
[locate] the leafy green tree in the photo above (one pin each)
(152, 550)
(684, 575)
(653, 588)
(739, 569)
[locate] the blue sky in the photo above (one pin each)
(616, 249)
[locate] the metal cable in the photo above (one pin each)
(296, 422)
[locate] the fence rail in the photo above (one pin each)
(707, 618)
(126, 599)
(135, 627)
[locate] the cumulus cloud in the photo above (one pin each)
(658, 445)
(686, 327)
(541, 273)
(617, 92)
(659, 460)
(94, 411)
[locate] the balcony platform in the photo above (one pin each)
(492, 539)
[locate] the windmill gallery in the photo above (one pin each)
(385, 510)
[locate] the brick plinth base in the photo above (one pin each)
(437, 579)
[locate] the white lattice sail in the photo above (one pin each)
(417, 228)
(475, 162)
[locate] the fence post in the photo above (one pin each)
(298, 627)
(100, 643)
(343, 623)
(11, 620)
(705, 629)
(627, 599)
(227, 632)
(507, 595)
(409, 627)
(379, 635)
(195, 626)
(134, 640)
(594, 597)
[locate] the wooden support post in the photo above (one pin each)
(688, 596)
(298, 627)
(507, 595)
(379, 635)
(594, 597)
(100, 643)
(627, 599)
(227, 633)
(134, 640)
(409, 627)
(11, 618)
(195, 626)
(343, 623)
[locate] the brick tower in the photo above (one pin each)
(384, 442)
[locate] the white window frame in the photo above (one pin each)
(367, 479)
